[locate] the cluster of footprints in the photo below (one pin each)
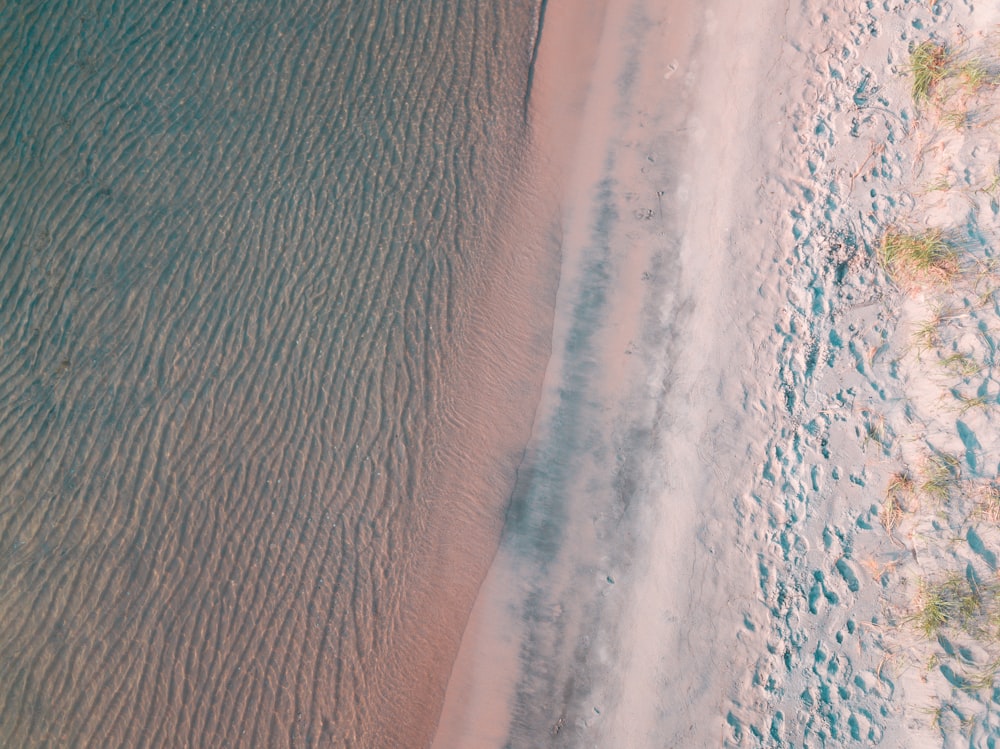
(875, 517)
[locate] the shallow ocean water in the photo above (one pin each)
(269, 351)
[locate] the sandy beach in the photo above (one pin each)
(481, 375)
(705, 546)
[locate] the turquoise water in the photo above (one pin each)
(270, 349)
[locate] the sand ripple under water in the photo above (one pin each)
(268, 353)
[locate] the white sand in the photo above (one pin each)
(726, 174)
(949, 679)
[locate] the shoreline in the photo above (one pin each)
(695, 555)
(476, 705)
(609, 374)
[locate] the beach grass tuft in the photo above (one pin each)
(988, 507)
(918, 257)
(929, 64)
(877, 431)
(891, 513)
(938, 475)
(932, 610)
(934, 713)
(900, 483)
(927, 336)
(993, 186)
(961, 364)
(941, 184)
(971, 402)
(957, 119)
(899, 489)
(984, 678)
(951, 602)
(975, 74)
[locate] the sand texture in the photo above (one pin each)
(701, 551)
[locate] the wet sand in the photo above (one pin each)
(694, 554)
(602, 569)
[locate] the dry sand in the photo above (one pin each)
(695, 555)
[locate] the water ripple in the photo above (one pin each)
(253, 286)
